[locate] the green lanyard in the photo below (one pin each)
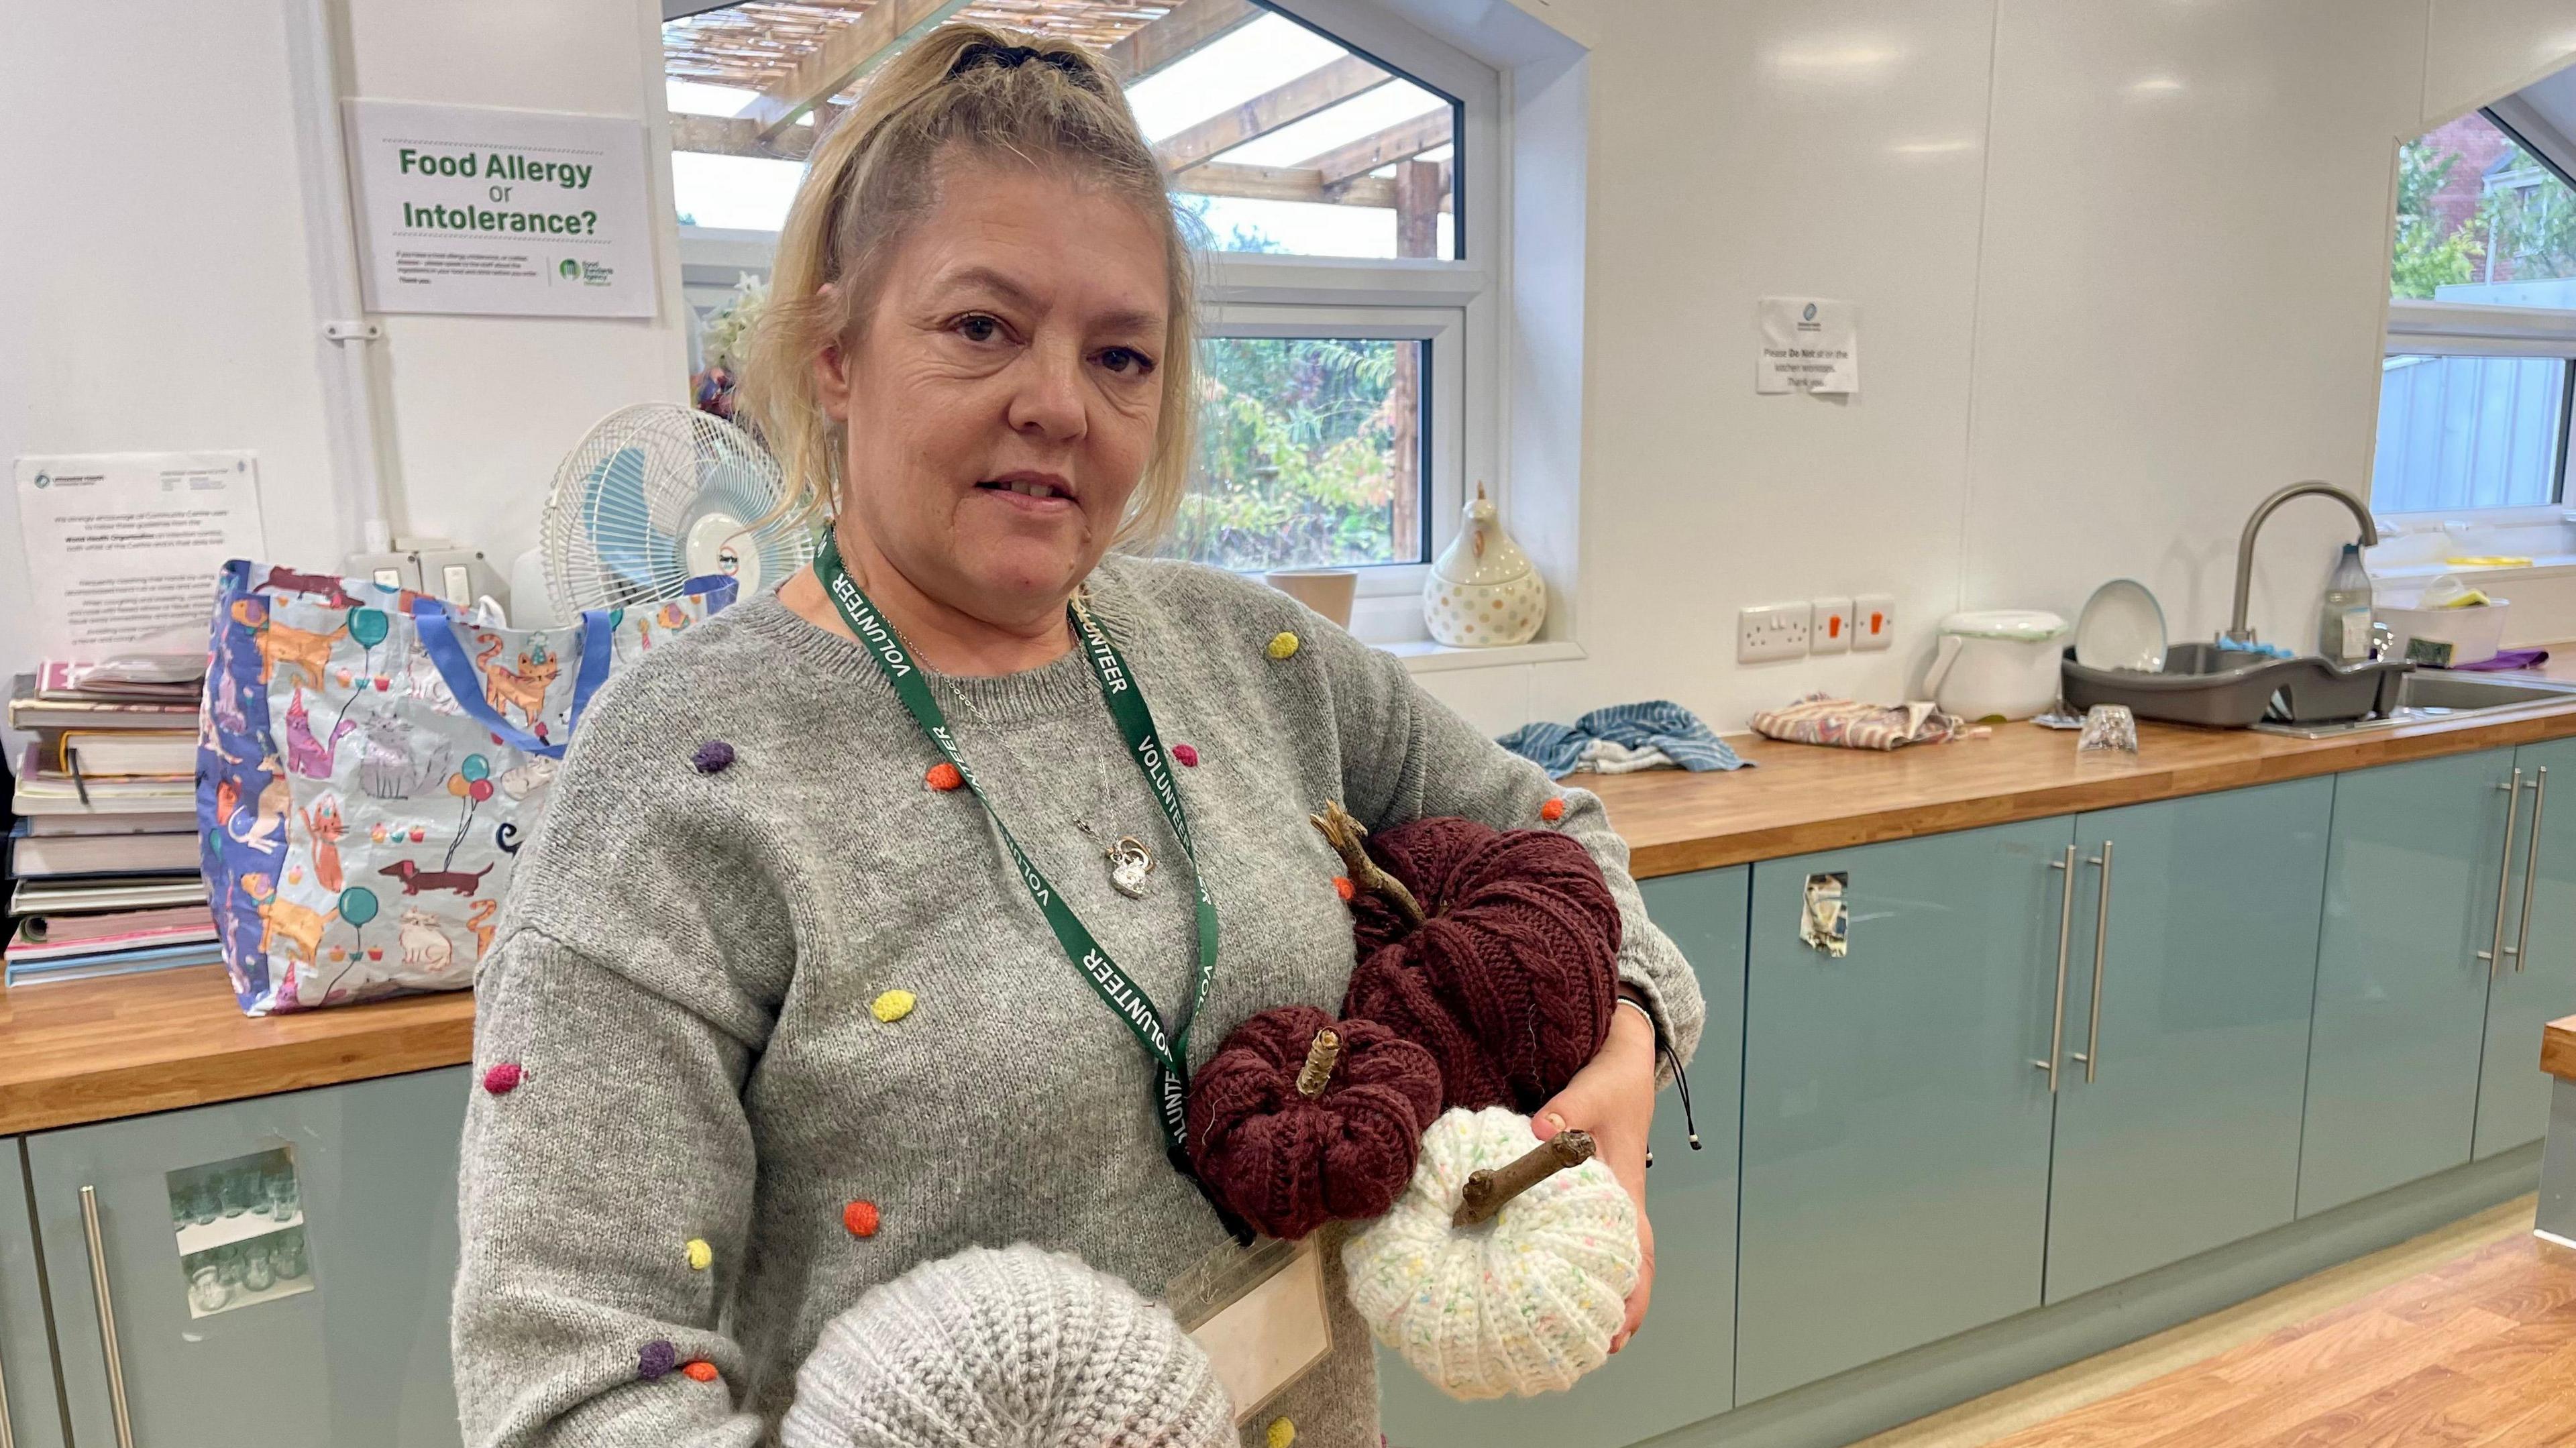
(1125, 999)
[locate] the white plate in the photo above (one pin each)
(2122, 627)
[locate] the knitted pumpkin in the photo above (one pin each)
(1522, 1298)
(1014, 1346)
(1496, 950)
(1300, 1119)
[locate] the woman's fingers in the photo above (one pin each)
(1613, 1098)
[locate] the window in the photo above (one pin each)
(2473, 400)
(1325, 155)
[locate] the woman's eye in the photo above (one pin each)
(1126, 362)
(978, 328)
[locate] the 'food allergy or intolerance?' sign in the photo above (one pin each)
(501, 213)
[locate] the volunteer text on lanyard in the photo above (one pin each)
(1170, 1049)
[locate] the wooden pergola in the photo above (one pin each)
(806, 57)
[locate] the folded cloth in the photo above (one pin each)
(2511, 660)
(1656, 725)
(1823, 719)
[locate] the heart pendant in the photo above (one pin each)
(1127, 871)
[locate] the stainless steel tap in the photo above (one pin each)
(2238, 632)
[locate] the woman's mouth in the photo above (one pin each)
(1031, 492)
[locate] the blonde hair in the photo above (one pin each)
(1001, 95)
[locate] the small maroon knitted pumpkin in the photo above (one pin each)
(1287, 1159)
(1511, 979)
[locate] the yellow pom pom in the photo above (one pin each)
(701, 1256)
(1282, 644)
(893, 1006)
(1281, 1433)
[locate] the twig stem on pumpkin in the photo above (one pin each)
(1320, 1056)
(1486, 1191)
(1345, 834)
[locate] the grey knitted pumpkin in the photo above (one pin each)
(1009, 1348)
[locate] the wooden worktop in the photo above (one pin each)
(1802, 798)
(96, 1050)
(2558, 1049)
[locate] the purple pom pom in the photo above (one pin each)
(713, 757)
(657, 1359)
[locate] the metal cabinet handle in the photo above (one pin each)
(106, 1318)
(2065, 938)
(2530, 875)
(2496, 948)
(2101, 943)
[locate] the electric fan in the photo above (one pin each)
(657, 494)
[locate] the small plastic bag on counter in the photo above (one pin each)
(2108, 729)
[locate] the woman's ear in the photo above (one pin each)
(832, 363)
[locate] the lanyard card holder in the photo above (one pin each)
(1259, 1313)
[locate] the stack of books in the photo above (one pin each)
(103, 860)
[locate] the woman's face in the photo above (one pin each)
(1002, 393)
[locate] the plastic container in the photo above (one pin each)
(2227, 689)
(2474, 634)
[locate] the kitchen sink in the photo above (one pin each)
(2427, 695)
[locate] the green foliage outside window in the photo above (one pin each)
(1297, 464)
(2427, 257)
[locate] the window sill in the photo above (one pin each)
(1421, 656)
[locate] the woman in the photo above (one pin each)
(788, 1016)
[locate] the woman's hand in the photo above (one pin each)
(1614, 1099)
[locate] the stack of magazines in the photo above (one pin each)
(103, 859)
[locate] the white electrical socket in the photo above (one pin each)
(1771, 631)
(1829, 625)
(1874, 621)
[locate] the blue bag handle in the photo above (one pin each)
(438, 637)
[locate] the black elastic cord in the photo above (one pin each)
(1681, 1084)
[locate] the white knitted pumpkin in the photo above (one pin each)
(1525, 1303)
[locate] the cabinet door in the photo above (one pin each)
(357, 1361)
(1681, 1367)
(2413, 866)
(2536, 984)
(2181, 1131)
(1895, 1131)
(28, 1415)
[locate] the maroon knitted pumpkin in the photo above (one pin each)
(1512, 977)
(1286, 1158)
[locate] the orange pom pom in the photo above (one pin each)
(1552, 811)
(943, 776)
(701, 1370)
(860, 1218)
(1343, 887)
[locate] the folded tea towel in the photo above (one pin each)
(2510, 661)
(1016, 1348)
(1823, 719)
(1632, 732)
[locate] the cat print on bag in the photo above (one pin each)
(301, 925)
(306, 650)
(423, 943)
(305, 754)
(387, 768)
(282, 579)
(323, 823)
(524, 686)
(266, 831)
(479, 920)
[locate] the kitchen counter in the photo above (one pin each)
(2558, 1049)
(96, 1050)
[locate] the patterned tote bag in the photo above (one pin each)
(368, 764)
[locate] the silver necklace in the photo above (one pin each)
(1129, 861)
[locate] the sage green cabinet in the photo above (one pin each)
(1896, 1128)
(358, 1361)
(2417, 901)
(1681, 1368)
(2180, 1083)
(2535, 982)
(29, 1416)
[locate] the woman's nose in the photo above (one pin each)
(1048, 399)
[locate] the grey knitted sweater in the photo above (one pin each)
(690, 962)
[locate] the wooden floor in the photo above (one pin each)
(2478, 1348)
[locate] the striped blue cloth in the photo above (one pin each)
(1655, 724)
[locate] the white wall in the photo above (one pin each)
(2119, 267)
(2120, 270)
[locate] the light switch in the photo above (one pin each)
(1874, 621)
(1829, 626)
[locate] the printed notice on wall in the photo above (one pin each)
(1808, 344)
(124, 549)
(500, 213)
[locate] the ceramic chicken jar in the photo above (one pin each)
(1484, 591)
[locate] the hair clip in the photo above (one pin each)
(1012, 57)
